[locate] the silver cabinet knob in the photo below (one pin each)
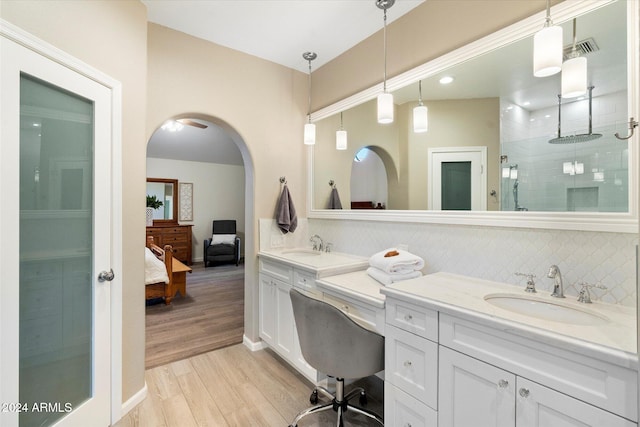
(503, 383)
(106, 276)
(408, 317)
(524, 392)
(407, 363)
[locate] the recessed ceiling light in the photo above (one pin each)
(36, 125)
(446, 80)
(526, 103)
(547, 116)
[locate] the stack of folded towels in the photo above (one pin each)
(394, 265)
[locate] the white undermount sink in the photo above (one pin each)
(546, 310)
(301, 252)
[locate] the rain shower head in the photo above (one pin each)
(574, 139)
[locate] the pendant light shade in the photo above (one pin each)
(420, 114)
(385, 100)
(420, 119)
(385, 108)
(309, 128)
(574, 72)
(309, 134)
(574, 77)
(341, 137)
(547, 49)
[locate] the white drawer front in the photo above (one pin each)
(418, 320)
(306, 281)
(411, 364)
(604, 385)
(369, 316)
(277, 270)
(402, 410)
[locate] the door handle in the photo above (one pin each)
(106, 276)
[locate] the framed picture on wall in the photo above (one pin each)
(185, 194)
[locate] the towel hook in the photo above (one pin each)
(632, 125)
(283, 180)
(331, 182)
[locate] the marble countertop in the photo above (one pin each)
(323, 264)
(357, 285)
(613, 340)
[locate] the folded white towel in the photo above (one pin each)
(404, 262)
(388, 279)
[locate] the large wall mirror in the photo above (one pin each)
(494, 129)
(166, 191)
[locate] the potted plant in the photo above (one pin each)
(152, 204)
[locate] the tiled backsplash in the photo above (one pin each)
(496, 253)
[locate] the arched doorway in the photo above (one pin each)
(210, 157)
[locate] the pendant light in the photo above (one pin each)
(420, 114)
(309, 128)
(547, 48)
(385, 100)
(341, 136)
(574, 72)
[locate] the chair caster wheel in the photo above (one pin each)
(313, 398)
(362, 399)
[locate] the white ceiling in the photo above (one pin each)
(278, 30)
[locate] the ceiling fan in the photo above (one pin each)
(189, 122)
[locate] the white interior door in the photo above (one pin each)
(55, 229)
(457, 178)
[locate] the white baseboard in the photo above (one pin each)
(253, 346)
(134, 400)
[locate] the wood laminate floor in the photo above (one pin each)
(234, 386)
(209, 317)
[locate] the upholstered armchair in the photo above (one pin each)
(224, 245)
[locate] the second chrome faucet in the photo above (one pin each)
(558, 288)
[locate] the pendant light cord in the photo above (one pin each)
(547, 20)
(309, 104)
(384, 85)
(420, 92)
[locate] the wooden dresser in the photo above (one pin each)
(178, 236)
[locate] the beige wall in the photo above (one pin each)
(430, 30)
(111, 37)
(263, 104)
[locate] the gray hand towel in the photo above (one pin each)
(286, 212)
(334, 199)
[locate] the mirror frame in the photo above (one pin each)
(174, 220)
(585, 221)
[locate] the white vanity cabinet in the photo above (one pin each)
(448, 366)
(277, 325)
(475, 393)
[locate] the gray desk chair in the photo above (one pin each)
(337, 346)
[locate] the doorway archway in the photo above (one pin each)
(230, 189)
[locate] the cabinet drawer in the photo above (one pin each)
(171, 238)
(412, 318)
(277, 270)
(402, 410)
(411, 364)
(607, 386)
(306, 281)
(371, 317)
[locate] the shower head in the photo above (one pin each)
(573, 139)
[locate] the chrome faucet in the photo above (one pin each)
(558, 289)
(318, 243)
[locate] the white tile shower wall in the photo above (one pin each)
(495, 253)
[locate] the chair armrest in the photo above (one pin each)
(237, 250)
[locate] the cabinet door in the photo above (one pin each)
(284, 321)
(473, 393)
(539, 406)
(268, 309)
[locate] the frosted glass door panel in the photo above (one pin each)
(56, 240)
